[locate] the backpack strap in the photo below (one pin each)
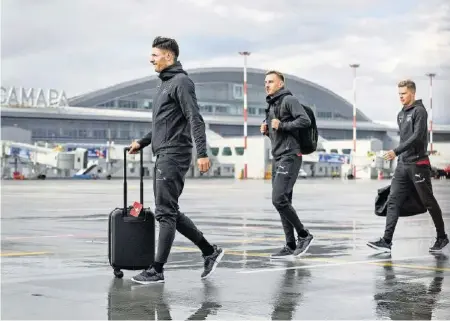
(277, 109)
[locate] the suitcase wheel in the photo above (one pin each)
(118, 274)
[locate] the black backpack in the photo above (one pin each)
(307, 138)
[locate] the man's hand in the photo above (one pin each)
(134, 147)
(263, 128)
(275, 123)
(203, 164)
(390, 155)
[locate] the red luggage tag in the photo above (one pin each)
(136, 210)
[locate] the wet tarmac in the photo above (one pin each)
(55, 264)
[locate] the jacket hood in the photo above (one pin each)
(416, 103)
(171, 71)
(278, 95)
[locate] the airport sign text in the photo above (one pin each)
(33, 97)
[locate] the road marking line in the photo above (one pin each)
(414, 267)
(12, 238)
(282, 238)
(186, 248)
(337, 261)
(241, 253)
(329, 264)
(22, 253)
(276, 238)
(333, 261)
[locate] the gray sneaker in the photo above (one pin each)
(148, 276)
(380, 245)
(211, 261)
(285, 253)
(303, 244)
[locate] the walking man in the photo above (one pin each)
(175, 114)
(413, 169)
(284, 116)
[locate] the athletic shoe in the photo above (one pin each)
(303, 244)
(211, 261)
(285, 253)
(380, 245)
(440, 243)
(149, 276)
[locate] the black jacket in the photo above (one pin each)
(285, 107)
(175, 113)
(412, 123)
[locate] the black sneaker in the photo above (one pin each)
(440, 243)
(285, 253)
(303, 244)
(211, 261)
(380, 245)
(148, 276)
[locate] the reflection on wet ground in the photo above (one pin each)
(55, 266)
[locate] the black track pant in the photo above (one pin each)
(168, 183)
(284, 175)
(407, 176)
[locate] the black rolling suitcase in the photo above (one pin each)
(131, 240)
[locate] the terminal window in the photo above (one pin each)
(82, 133)
(147, 104)
(339, 116)
(128, 104)
(206, 108)
(124, 134)
(39, 133)
(107, 104)
(221, 109)
(52, 133)
(238, 91)
(69, 133)
(99, 133)
(324, 114)
(112, 134)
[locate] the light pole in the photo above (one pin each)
(245, 54)
(431, 76)
(354, 67)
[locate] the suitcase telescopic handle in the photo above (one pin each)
(141, 179)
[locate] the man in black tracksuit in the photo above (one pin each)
(413, 169)
(285, 115)
(175, 115)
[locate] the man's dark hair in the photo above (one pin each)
(275, 72)
(167, 44)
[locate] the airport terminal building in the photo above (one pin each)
(122, 112)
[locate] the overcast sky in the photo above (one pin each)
(83, 45)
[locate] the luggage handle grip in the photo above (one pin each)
(141, 179)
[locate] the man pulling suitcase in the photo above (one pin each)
(175, 114)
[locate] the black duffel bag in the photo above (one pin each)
(412, 206)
